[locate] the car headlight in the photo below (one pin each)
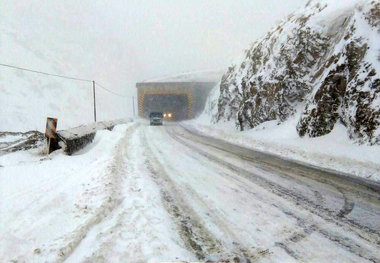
(164, 115)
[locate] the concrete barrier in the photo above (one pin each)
(77, 138)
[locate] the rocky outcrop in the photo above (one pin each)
(322, 112)
(321, 63)
(20, 141)
(350, 92)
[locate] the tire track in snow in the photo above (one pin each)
(305, 228)
(370, 236)
(351, 184)
(113, 200)
(323, 212)
(194, 234)
(350, 191)
(246, 250)
(140, 229)
(286, 174)
(348, 205)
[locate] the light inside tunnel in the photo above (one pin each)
(173, 106)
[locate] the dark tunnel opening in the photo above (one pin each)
(176, 104)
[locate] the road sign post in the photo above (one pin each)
(51, 134)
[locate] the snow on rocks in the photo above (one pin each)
(323, 59)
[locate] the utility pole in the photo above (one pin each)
(133, 103)
(93, 90)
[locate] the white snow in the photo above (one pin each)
(51, 198)
(139, 230)
(333, 151)
(27, 99)
(48, 205)
(10, 138)
(193, 76)
(106, 204)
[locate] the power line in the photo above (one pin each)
(114, 93)
(45, 73)
(72, 78)
(62, 76)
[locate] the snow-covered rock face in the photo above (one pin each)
(323, 62)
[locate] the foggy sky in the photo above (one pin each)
(123, 42)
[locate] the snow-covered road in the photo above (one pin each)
(174, 195)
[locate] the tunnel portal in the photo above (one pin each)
(184, 100)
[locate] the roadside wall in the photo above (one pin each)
(75, 139)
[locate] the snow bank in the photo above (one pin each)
(47, 203)
(193, 76)
(333, 151)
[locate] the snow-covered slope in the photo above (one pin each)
(26, 99)
(321, 65)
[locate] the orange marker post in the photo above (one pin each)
(51, 134)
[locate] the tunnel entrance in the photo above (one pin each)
(176, 104)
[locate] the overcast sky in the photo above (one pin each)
(123, 42)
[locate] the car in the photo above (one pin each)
(156, 118)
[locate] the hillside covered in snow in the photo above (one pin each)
(320, 67)
(27, 98)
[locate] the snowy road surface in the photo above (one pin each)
(164, 193)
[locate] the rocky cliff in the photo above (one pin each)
(322, 65)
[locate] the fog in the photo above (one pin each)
(122, 42)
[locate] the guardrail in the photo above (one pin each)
(75, 139)
(71, 140)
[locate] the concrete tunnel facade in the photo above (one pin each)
(185, 100)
